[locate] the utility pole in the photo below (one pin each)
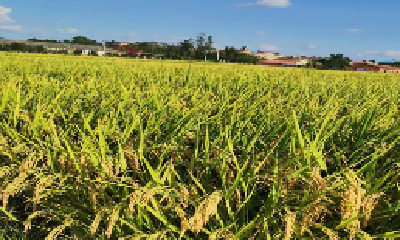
(104, 46)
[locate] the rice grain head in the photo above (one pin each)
(352, 202)
(290, 225)
(44, 182)
(113, 219)
(204, 211)
(369, 204)
(58, 230)
(28, 222)
(222, 234)
(96, 222)
(18, 184)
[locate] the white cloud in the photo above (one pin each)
(4, 18)
(132, 35)
(267, 3)
(68, 30)
(11, 28)
(392, 53)
(266, 47)
(311, 46)
(261, 33)
(352, 30)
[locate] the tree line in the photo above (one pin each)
(334, 62)
(21, 47)
(82, 40)
(200, 48)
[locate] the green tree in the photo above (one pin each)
(84, 40)
(209, 43)
(337, 62)
(312, 63)
(396, 64)
(16, 46)
(187, 49)
(200, 46)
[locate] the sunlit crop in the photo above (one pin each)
(96, 148)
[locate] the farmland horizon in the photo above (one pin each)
(119, 148)
(310, 28)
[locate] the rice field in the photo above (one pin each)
(112, 148)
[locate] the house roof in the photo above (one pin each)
(284, 58)
(281, 62)
(386, 67)
(363, 63)
(127, 49)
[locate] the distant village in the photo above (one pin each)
(126, 49)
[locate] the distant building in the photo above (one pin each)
(266, 55)
(370, 66)
(246, 50)
(122, 51)
(388, 62)
(123, 43)
(286, 62)
(51, 46)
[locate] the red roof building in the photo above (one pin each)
(369, 66)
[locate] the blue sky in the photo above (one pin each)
(360, 29)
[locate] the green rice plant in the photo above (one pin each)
(111, 148)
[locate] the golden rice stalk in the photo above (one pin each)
(290, 225)
(107, 165)
(184, 221)
(157, 235)
(44, 182)
(93, 199)
(316, 210)
(27, 165)
(365, 235)
(222, 234)
(352, 202)
(14, 187)
(204, 211)
(96, 222)
(185, 195)
(113, 219)
(62, 162)
(6, 170)
(133, 159)
(28, 221)
(3, 143)
(238, 202)
(145, 194)
(369, 204)
(58, 230)
(331, 234)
